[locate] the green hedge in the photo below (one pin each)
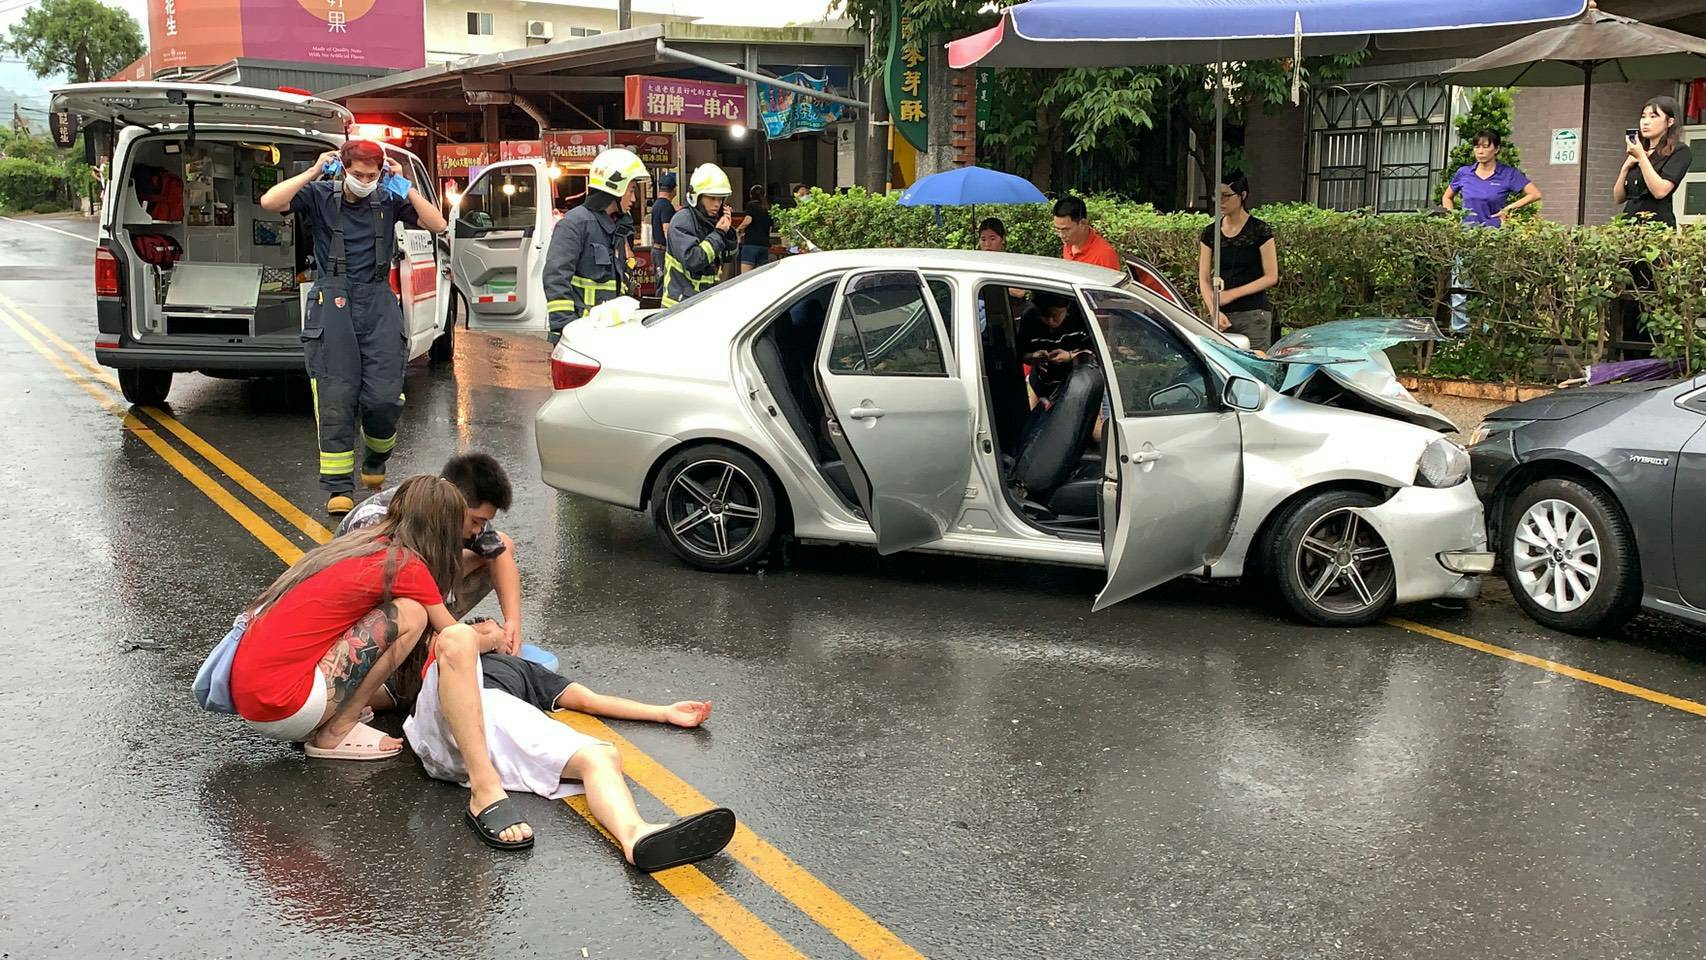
(1542, 293)
(25, 184)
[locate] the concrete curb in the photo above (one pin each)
(1472, 390)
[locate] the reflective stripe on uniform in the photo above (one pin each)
(337, 463)
(555, 306)
(379, 444)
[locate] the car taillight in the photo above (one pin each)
(106, 273)
(570, 369)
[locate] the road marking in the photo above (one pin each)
(1552, 666)
(814, 898)
(725, 915)
(43, 226)
(243, 478)
(250, 521)
(721, 912)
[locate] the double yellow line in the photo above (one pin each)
(723, 913)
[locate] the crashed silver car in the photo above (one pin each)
(877, 397)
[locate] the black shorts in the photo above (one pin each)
(523, 679)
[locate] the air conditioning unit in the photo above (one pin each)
(538, 29)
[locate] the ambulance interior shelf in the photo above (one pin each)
(200, 206)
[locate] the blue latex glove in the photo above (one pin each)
(397, 186)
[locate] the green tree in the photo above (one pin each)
(1041, 114)
(1256, 83)
(83, 40)
(1490, 108)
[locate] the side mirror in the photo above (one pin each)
(1238, 340)
(1244, 394)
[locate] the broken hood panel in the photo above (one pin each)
(1373, 380)
(1351, 341)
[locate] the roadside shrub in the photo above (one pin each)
(25, 183)
(1539, 294)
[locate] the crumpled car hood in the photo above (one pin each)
(1350, 354)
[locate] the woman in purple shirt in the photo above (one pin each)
(1486, 185)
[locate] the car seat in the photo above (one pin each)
(1051, 461)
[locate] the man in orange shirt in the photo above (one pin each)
(1078, 240)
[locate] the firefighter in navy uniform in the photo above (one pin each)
(701, 238)
(587, 262)
(354, 342)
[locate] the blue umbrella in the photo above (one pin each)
(968, 186)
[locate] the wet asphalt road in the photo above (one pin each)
(958, 749)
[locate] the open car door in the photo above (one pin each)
(1174, 469)
(418, 273)
(900, 421)
(498, 235)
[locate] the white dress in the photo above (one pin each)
(528, 748)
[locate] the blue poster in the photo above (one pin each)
(787, 113)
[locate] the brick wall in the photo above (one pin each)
(1540, 110)
(1273, 154)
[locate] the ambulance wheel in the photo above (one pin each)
(145, 388)
(443, 348)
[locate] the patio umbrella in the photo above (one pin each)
(1596, 46)
(1105, 33)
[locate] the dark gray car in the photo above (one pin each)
(1596, 501)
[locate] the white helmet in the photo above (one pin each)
(710, 181)
(614, 171)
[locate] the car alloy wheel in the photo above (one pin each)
(1343, 565)
(1555, 555)
(713, 509)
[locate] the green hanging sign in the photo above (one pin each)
(907, 79)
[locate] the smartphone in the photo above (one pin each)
(1631, 133)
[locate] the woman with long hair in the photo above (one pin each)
(1657, 162)
(323, 638)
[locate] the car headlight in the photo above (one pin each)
(1443, 464)
(1492, 428)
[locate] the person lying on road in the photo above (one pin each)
(488, 560)
(534, 752)
(322, 638)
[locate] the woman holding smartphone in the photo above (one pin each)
(1657, 162)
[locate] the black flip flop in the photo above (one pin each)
(490, 823)
(688, 840)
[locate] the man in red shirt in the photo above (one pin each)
(1079, 241)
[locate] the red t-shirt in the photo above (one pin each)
(273, 671)
(1097, 251)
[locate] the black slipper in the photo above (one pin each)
(490, 823)
(685, 841)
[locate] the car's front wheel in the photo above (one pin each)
(1330, 565)
(715, 507)
(443, 348)
(145, 388)
(1570, 558)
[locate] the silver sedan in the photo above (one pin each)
(894, 398)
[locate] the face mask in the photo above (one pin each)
(360, 188)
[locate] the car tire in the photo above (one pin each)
(1586, 581)
(1329, 566)
(716, 507)
(443, 349)
(145, 388)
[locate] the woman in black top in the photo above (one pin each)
(1658, 160)
(1249, 265)
(755, 232)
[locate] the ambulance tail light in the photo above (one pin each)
(106, 273)
(570, 369)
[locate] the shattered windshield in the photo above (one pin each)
(1345, 341)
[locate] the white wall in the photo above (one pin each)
(447, 36)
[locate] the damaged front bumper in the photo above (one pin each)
(1438, 541)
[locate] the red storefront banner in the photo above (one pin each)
(654, 149)
(673, 100)
(389, 34)
(521, 150)
(575, 148)
(457, 159)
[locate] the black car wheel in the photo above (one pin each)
(1569, 557)
(1328, 564)
(443, 348)
(145, 388)
(715, 507)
